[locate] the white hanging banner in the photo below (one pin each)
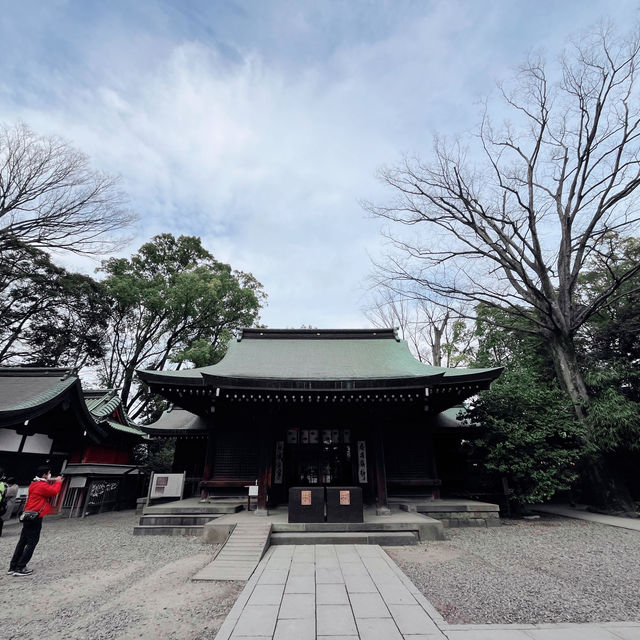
(362, 462)
(278, 470)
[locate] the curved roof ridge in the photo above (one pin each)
(330, 359)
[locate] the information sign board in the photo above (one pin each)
(166, 485)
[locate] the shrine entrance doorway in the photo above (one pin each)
(319, 457)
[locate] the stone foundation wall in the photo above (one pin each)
(465, 518)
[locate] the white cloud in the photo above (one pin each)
(264, 158)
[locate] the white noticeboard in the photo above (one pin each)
(166, 485)
(9, 440)
(37, 443)
(78, 482)
(253, 490)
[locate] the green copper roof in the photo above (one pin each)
(316, 355)
(102, 404)
(27, 393)
(125, 428)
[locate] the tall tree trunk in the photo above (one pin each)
(606, 489)
(436, 347)
(563, 354)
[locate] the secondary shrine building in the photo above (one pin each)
(312, 407)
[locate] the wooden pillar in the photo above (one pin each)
(382, 504)
(209, 458)
(264, 467)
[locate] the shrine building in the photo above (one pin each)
(46, 417)
(313, 407)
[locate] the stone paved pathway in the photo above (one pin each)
(329, 592)
(582, 514)
(351, 592)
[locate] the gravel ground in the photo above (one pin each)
(544, 571)
(94, 580)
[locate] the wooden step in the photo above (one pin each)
(168, 530)
(240, 555)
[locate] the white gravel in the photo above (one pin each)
(93, 579)
(546, 571)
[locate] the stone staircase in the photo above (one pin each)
(384, 538)
(183, 517)
(240, 555)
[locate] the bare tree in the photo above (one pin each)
(436, 335)
(516, 229)
(512, 222)
(51, 199)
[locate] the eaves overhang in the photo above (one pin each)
(65, 393)
(339, 384)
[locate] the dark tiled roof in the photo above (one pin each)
(22, 388)
(177, 421)
(26, 393)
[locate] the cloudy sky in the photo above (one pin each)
(259, 124)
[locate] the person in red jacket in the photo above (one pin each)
(41, 490)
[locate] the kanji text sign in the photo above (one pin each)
(166, 485)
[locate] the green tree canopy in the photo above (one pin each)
(175, 304)
(610, 350)
(50, 317)
(531, 434)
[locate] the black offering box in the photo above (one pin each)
(344, 504)
(306, 504)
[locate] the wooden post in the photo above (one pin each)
(382, 504)
(208, 463)
(264, 469)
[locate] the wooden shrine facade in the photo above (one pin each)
(312, 407)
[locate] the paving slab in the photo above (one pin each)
(489, 634)
(331, 594)
(300, 584)
(378, 629)
(412, 619)
(360, 584)
(368, 605)
(298, 605)
(335, 619)
(296, 629)
(256, 620)
(267, 594)
(584, 633)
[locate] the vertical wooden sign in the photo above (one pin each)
(278, 470)
(362, 462)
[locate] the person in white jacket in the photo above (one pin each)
(12, 494)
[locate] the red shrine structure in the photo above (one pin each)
(47, 417)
